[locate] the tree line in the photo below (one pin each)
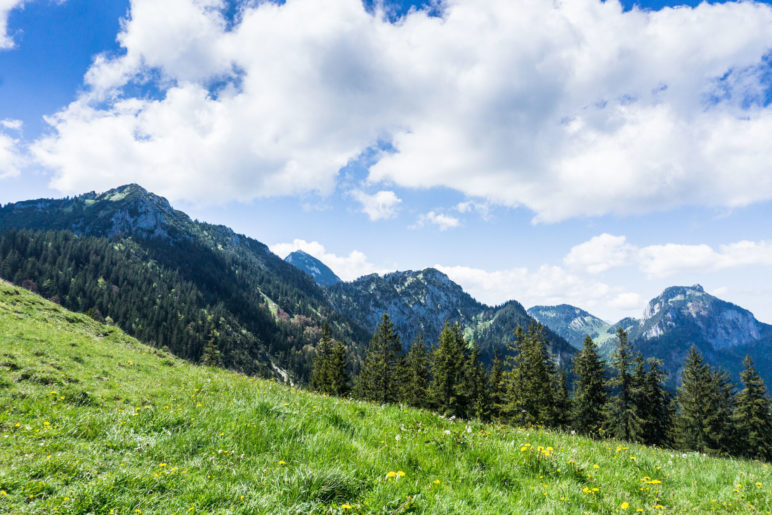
(624, 399)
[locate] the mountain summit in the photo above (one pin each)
(307, 263)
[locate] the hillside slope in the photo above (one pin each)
(94, 422)
(169, 280)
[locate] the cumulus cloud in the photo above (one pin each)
(6, 6)
(11, 155)
(604, 252)
(546, 285)
(442, 221)
(599, 254)
(567, 108)
(348, 268)
(378, 206)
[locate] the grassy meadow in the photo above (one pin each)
(91, 421)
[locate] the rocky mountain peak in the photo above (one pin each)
(313, 267)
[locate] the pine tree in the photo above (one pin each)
(476, 384)
(321, 363)
(590, 394)
(210, 356)
(496, 382)
(704, 404)
(449, 363)
(338, 378)
(659, 411)
(753, 415)
(620, 409)
(529, 390)
(562, 402)
(377, 380)
(721, 431)
(416, 369)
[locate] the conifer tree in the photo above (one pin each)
(529, 392)
(496, 383)
(338, 378)
(449, 363)
(620, 409)
(476, 384)
(658, 402)
(415, 374)
(210, 356)
(753, 415)
(321, 363)
(378, 378)
(562, 402)
(704, 404)
(590, 394)
(721, 431)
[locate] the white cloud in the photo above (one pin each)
(568, 108)
(599, 254)
(11, 156)
(6, 6)
(670, 259)
(14, 125)
(442, 221)
(469, 206)
(546, 285)
(348, 268)
(604, 252)
(378, 206)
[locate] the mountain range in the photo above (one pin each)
(128, 257)
(672, 322)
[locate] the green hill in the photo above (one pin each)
(91, 421)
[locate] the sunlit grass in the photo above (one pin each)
(91, 421)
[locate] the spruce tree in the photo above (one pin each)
(721, 402)
(496, 383)
(337, 375)
(590, 394)
(620, 409)
(561, 400)
(377, 380)
(529, 391)
(449, 364)
(210, 356)
(321, 363)
(704, 404)
(753, 415)
(477, 387)
(658, 402)
(415, 374)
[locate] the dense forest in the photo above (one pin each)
(625, 398)
(180, 296)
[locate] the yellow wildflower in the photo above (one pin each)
(436, 481)
(345, 506)
(391, 475)
(3, 493)
(758, 485)
(401, 474)
(282, 462)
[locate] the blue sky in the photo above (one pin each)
(585, 152)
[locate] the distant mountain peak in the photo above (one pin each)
(570, 322)
(307, 263)
(688, 310)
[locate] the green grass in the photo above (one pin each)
(92, 421)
